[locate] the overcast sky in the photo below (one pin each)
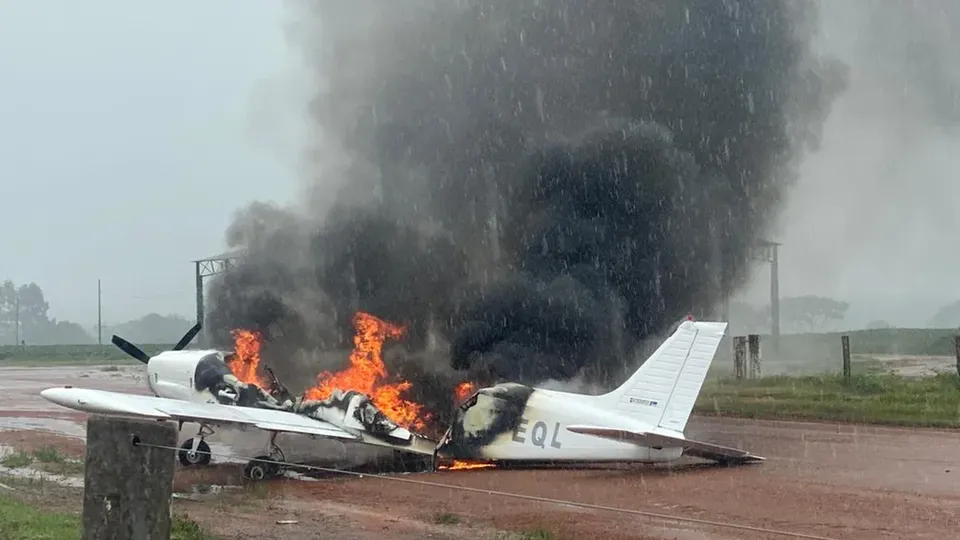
(130, 131)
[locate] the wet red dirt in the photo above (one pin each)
(824, 480)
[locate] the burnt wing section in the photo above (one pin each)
(365, 412)
(489, 414)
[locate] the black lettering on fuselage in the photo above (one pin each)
(538, 434)
(520, 430)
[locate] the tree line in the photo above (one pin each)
(25, 320)
(815, 314)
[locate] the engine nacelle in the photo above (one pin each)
(187, 375)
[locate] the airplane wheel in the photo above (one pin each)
(260, 468)
(199, 459)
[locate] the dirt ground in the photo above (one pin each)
(820, 480)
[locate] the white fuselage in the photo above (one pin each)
(539, 432)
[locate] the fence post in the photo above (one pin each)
(956, 347)
(845, 342)
(739, 356)
(127, 483)
(754, 341)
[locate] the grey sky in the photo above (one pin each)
(874, 217)
(130, 131)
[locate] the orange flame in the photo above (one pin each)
(460, 465)
(246, 359)
(464, 390)
(368, 375)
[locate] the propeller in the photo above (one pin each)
(187, 338)
(130, 348)
(138, 353)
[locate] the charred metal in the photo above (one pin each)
(474, 427)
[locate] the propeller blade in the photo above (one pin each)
(130, 349)
(187, 338)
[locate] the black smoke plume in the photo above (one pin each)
(541, 184)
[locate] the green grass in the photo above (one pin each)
(535, 534)
(446, 518)
(49, 454)
(71, 354)
(16, 460)
(19, 521)
(47, 459)
(868, 398)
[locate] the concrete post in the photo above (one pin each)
(128, 486)
(956, 347)
(739, 356)
(754, 343)
(845, 352)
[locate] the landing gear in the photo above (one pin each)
(194, 456)
(195, 452)
(261, 468)
(268, 465)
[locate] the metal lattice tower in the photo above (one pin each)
(767, 251)
(204, 268)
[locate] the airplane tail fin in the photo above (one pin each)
(663, 390)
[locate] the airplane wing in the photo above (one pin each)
(115, 403)
(699, 449)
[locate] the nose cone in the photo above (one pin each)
(61, 396)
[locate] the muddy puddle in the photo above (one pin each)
(27, 472)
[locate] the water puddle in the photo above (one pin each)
(203, 492)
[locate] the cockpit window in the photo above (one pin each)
(469, 403)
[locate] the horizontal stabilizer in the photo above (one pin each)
(703, 450)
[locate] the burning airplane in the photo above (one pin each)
(213, 388)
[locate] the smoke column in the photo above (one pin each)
(542, 184)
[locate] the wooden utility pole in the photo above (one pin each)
(99, 317)
(16, 322)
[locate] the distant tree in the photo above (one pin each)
(947, 316)
(809, 313)
(152, 329)
(8, 300)
(748, 319)
(64, 333)
(878, 325)
(34, 322)
(27, 305)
